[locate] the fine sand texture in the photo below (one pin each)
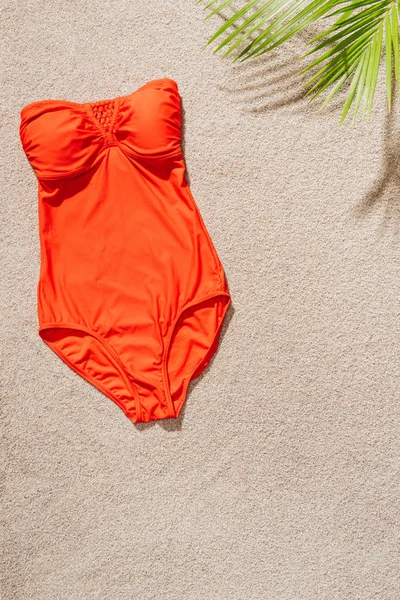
(281, 478)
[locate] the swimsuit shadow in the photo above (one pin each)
(176, 424)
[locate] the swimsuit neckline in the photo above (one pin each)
(84, 105)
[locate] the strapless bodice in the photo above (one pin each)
(62, 138)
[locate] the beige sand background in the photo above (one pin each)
(281, 479)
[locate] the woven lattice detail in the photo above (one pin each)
(103, 112)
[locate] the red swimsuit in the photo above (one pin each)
(131, 292)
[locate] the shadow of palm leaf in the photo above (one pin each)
(273, 80)
(386, 190)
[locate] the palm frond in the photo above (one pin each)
(348, 52)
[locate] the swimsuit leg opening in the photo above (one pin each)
(190, 346)
(54, 337)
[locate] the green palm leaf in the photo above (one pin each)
(348, 52)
